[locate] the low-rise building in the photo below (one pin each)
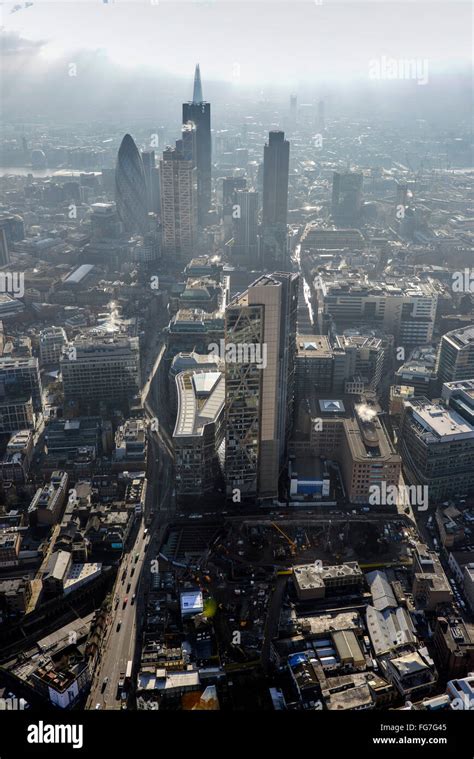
(430, 584)
(48, 501)
(15, 594)
(130, 446)
(450, 525)
(454, 646)
(413, 673)
(10, 542)
(313, 581)
(16, 462)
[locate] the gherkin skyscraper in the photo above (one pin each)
(130, 188)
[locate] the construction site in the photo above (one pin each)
(376, 542)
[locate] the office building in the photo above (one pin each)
(199, 432)
(178, 205)
(198, 112)
(405, 309)
(245, 228)
(230, 185)
(456, 355)
(347, 364)
(276, 161)
(437, 445)
(130, 188)
(105, 223)
(430, 585)
(101, 369)
(130, 446)
(16, 462)
(51, 343)
(152, 181)
(260, 337)
(314, 366)
(347, 429)
(346, 197)
(48, 501)
(20, 378)
(4, 247)
(16, 414)
(420, 376)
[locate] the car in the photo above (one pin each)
(97, 706)
(119, 625)
(124, 602)
(133, 598)
(104, 683)
(131, 575)
(129, 586)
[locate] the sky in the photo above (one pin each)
(250, 43)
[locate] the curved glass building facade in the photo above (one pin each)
(130, 188)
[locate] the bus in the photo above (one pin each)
(128, 671)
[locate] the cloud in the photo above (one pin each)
(11, 43)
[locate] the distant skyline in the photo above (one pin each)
(142, 63)
(245, 42)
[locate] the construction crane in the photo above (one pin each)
(291, 542)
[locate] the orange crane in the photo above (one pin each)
(292, 543)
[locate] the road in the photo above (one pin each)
(123, 640)
(119, 646)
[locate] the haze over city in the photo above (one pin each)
(236, 376)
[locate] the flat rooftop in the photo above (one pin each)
(438, 423)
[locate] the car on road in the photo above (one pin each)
(119, 625)
(97, 706)
(129, 586)
(137, 556)
(124, 602)
(104, 683)
(133, 598)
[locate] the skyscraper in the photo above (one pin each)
(151, 180)
(229, 187)
(4, 249)
(260, 331)
(346, 197)
(178, 204)
(199, 113)
(276, 157)
(130, 188)
(245, 227)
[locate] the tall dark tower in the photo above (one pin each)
(130, 188)
(199, 113)
(276, 159)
